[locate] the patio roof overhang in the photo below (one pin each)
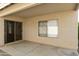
(14, 8)
(33, 9)
(3, 5)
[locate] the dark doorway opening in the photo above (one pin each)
(12, 31)
(78, 37)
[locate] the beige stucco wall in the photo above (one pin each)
(67, 22)
(1, 31)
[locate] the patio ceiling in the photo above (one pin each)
(45, 8)
(15, 7)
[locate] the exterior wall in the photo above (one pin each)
(1, 31)
(67, 22)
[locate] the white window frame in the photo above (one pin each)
(52, 34)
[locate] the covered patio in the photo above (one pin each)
(27, 48)
(35, 42)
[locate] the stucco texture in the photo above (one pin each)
(67, 29)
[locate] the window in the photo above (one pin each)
(43, 28)
(48, 28)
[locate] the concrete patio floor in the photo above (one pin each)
(2, 53)
(26, 48)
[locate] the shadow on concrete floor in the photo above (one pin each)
(2, 53)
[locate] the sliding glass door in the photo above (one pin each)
(12, 31)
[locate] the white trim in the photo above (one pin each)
(3, 5)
